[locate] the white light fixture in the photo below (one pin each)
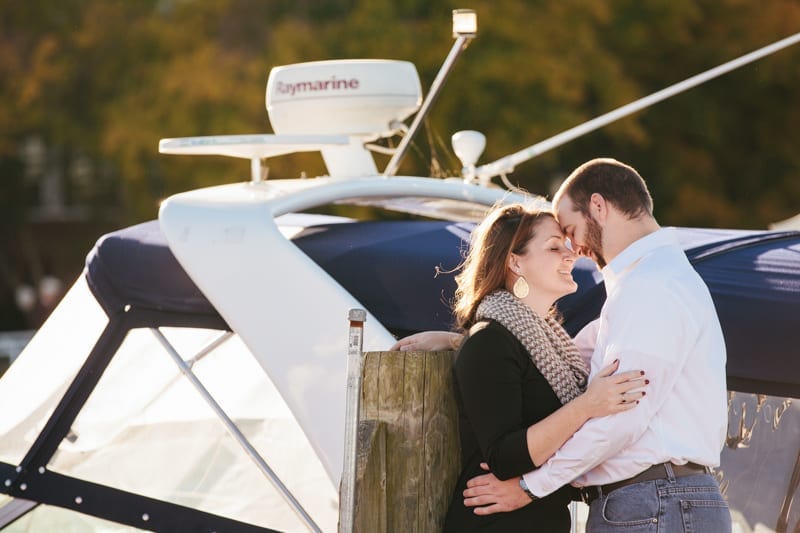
(468, 146)
(465, 23)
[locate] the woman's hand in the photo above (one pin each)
(428, 341)
(610, 393)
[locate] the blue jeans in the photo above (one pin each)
(688, 504)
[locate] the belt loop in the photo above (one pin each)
(670, 472)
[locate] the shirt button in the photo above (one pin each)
(655, 520)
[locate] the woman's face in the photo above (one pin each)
(546, 263)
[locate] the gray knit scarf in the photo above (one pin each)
(548, 344)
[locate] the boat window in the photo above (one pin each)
(41, 374)
(760, 465)
(47, 518)
(146, 429)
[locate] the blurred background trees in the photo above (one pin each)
(88, 88)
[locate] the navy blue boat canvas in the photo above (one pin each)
(403, 272)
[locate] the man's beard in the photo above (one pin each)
(594, 241)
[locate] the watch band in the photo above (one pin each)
(524, 487)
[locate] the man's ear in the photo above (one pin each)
(598, 207)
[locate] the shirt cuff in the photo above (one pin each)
(539, 483)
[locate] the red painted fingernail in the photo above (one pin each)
(647, 381)
(641, 372)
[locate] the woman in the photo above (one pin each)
(519, 378)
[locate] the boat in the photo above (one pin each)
(194, 377)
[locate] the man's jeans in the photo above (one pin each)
(689, 504)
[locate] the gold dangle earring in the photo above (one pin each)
(521, 288)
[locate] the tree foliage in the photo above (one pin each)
(104, 80)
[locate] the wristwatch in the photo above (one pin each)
(524, 487)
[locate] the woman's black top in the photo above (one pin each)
(500, 392)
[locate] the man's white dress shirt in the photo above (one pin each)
(658, 317)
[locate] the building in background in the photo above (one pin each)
(55, 203)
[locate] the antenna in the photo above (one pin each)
(507, 163)
(465, 27)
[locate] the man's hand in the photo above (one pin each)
(489, 495)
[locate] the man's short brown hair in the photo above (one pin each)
(617, 182)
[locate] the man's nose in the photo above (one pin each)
(582, 251)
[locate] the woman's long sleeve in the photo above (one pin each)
(491, 375)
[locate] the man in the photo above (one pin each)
(649, 465)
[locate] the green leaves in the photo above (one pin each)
(106, 79)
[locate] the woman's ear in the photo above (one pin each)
(513, 263)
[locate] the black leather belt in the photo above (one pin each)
(659, 471)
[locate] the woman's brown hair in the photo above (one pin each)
(505, 230)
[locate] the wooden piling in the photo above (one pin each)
(408, 455)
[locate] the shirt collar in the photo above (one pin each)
(635, 251)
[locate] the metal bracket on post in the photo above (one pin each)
(347, 490)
